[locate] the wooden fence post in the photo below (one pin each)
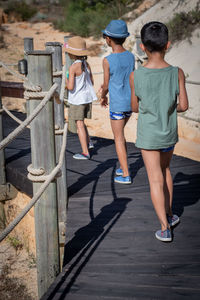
(28, 46)
(139, 51)
(56, 49)
(2, 170)
(68, 62)
(43, 156)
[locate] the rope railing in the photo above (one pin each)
(192, 82)
(27, 85)
(28, 120)
(42, 188)
(12, 116)
(12, 72)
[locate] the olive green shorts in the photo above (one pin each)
(80, 112)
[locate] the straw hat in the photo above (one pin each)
(77, 46)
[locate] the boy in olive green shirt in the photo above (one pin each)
(154, 91)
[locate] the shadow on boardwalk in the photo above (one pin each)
(111, 252)
(115, 254)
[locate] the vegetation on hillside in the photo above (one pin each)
(183, 24)
(20, 9)
(88, 17)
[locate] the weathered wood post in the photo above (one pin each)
(43, 156)
(28, 46)
(68, 62)
(139, 51)
(56, 49)
(2, 170)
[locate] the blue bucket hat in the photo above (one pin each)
(116, 29)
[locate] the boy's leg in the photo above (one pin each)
(82, 134)
(165, 158)
(152, 161)
(120, 143)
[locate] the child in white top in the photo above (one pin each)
(79, 83)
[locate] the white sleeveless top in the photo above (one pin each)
(83, 91)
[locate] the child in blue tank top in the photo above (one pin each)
(117, 68)
(154, 90)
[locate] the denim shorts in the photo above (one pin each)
(167, 149)
(120, 115)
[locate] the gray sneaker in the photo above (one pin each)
(164, 236)
(173, 220)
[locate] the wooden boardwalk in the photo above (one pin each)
(111, 252)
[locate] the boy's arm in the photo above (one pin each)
(183, 98)
(70, 82)
(104, 87)
(134, 98)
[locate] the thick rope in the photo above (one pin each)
(192, 82)
(12, 72)
(42, 188)
(10, 65)
(35, 171)
(28, 120)
(34, 95)
(31, 87)
(13, 116)
(26, 85)
(57, 73)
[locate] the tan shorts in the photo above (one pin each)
(80, 112)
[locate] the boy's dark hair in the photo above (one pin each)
(154, 36)
(117, 41)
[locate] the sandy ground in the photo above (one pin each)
(184, 54)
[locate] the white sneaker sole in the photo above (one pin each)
(81, 158)
(163, 239)
(174, 223)
(119, 174)
(128, 182)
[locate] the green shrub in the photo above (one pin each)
(22, 9)
(183, 24)
(87, 18)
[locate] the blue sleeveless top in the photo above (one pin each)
(120, 67)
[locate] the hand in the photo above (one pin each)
(104, 101)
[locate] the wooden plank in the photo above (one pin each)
(111, 251)
(12, 89)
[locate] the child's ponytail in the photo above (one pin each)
(83, 65)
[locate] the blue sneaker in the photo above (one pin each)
(81, 156)
(123, 180)
(164, 236)
(173, 220)
(119, 172)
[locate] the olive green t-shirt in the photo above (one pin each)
(157, 91)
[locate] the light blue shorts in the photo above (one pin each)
(167, 149)
(120, 115)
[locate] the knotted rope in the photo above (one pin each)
(42, 188)
(28, 120)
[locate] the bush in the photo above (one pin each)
(87, 18)
(21, 9)
(183, 24)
